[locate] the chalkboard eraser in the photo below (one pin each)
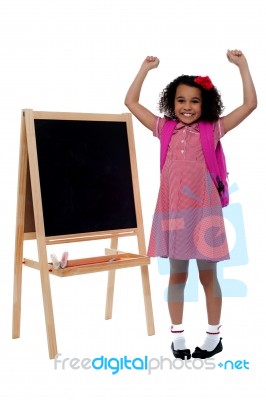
(55, 261)
(63, 262)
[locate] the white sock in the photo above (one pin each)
(212, 338)
(178, 337)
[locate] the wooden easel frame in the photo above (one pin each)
(30, 214)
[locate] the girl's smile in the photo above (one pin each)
(188, 104)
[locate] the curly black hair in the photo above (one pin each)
(212, 106)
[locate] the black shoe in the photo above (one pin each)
(198, 353)
(183, 354)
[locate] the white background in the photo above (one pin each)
(81, 56)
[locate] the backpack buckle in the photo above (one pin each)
(220, 184)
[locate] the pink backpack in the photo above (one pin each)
(214, 158)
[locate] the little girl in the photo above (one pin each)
(188, 220)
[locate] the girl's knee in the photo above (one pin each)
(206, 277)
(207, 272)
(178, 278)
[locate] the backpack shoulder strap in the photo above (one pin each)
(215, 160)
(166, 135)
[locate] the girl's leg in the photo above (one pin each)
(177, 282)
(212, 289)
(176, 288)
(213, 294)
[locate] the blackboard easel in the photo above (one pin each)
(90, 145)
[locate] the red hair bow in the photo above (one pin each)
(204, 81)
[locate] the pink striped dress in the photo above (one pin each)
(188, 221)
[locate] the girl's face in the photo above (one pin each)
(188, 104)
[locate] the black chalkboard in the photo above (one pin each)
(85, 176)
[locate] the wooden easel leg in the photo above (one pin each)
(110, 294)
(48, 311)
(17, 300)
(147, 299)
(20, 221)
(146, 287)
(47, 297)
(110, 284)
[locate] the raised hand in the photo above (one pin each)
(236, 57)
(150, 62)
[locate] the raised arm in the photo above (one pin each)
(146, 117)
(249, 93)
